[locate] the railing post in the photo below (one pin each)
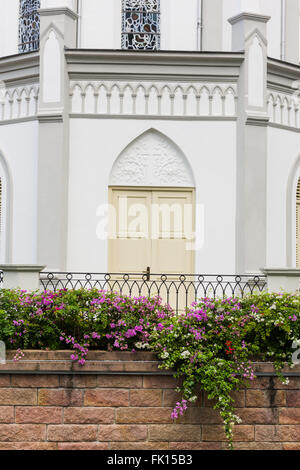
(282, 280)
(21, 276)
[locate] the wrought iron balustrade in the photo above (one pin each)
(179, 290)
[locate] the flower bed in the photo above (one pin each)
(211, 345)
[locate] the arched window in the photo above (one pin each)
(298, 225)
(141, 24)
(29, 25)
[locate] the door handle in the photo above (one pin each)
(148, 273)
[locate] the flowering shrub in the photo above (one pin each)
(78, 320)
(213, 344)
(216, 341)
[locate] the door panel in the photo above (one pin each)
(169, 246)
(173, 218)
(130, 251)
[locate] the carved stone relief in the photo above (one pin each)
(152, 160)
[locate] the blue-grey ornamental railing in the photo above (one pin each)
(178, 290)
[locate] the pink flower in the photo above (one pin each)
(95, 336)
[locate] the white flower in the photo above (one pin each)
(237, 419)
(141, 345)
(193, 399)
(185, 354)
(286, 382)
(273, 307)
(164, 355)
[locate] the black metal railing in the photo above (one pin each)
(178, 290)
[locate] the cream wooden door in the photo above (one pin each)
(151, 228)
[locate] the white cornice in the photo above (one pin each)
(89, 64)
(20, 67)
(248, 16)
(150, 117)
(284, 127)
(50, 118)
(257, 120)
(8, 122)
(283, 69)
(281, 271)
(280, 88)
(22, 267)
(19, 61)
(160, 58)
(58, 11)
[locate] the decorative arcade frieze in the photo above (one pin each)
(283, 109)
(18, 103)
(156, 99)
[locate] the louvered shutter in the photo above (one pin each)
(298, 224)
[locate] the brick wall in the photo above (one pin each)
(117, 401)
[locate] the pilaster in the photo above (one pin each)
(58, 30)
(282, 279)
(21, 276)
(249, 32)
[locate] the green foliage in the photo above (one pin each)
(212, 345)
(215, 343)
(100, 319)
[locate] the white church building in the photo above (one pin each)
(113, 111)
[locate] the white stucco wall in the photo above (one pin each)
(72, 4)
(211, 150)
(178, 30)
(100, 23)
(179, 25)
(108, 14)
(19, 146)
(283, 153)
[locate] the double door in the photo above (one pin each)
(152, 232)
